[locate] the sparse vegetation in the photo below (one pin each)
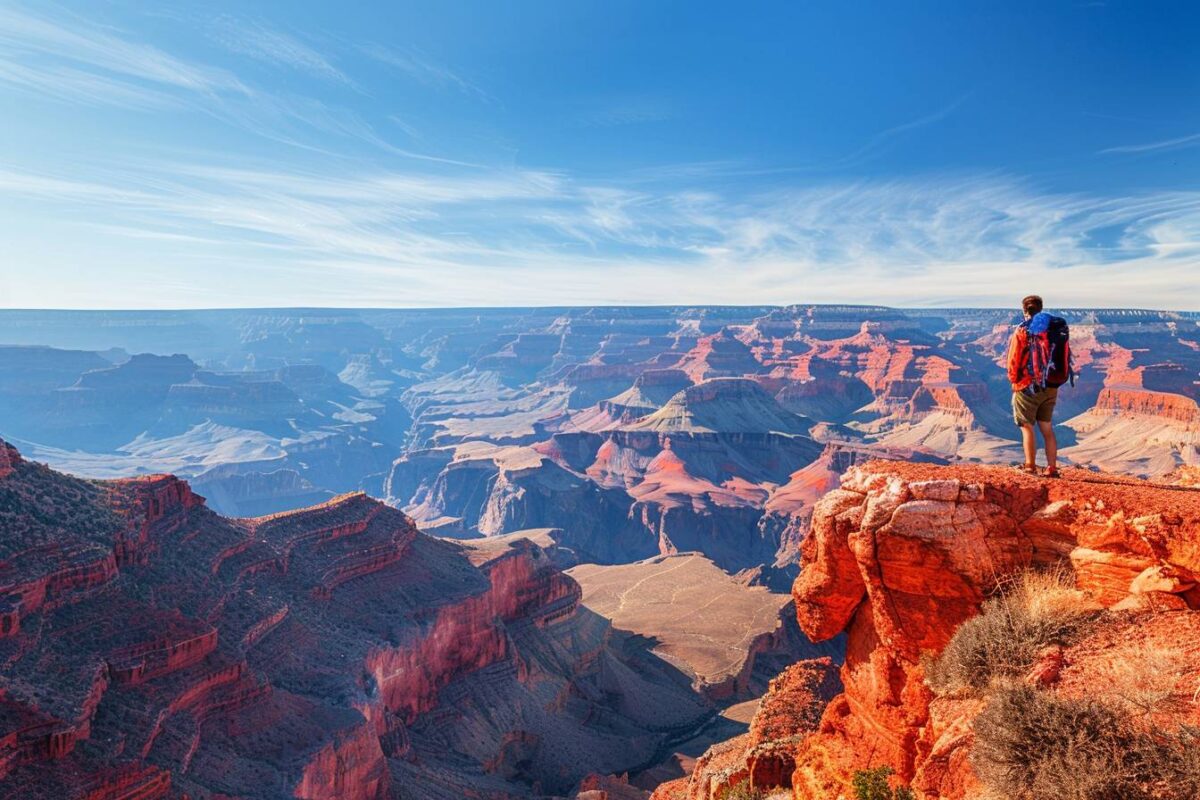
(743, 791)
(875, 784)
(1149, 680)
(1035, 610)
(1034, 745)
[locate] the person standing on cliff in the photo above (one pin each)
(1039, 361)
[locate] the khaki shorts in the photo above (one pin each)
(1029, 408)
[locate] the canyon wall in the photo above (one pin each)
(153, 649)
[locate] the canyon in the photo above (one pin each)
(154, 649)
(673, 429)
(615, 551)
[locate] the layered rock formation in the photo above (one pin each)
(265, 404)
(902, 554)
(622, 434)
(764, 757)
(153, 649)
(617, 496)
(789, 509)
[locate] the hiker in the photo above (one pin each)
(1039, 361)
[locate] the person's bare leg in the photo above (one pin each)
(1029, 443)
(1051, 444)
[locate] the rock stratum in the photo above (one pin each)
(150, 648)
(899, 556)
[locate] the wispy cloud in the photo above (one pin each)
(259, 42)
(422, 68)
(79, 62)
(76, 40)
(82, 87)
(409, 129)
(1177, 143)
(879, 142)
(374, 223)
(527, 236)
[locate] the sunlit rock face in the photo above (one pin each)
(901, 554)
(155, 649)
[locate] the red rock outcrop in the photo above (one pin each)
(902, 554)
(608, 787)
(1144, 402)
(789, 509)
(1184, 475)
(765, 756)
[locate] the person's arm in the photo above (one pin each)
(1016, 363)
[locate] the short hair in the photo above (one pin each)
(1031, 305)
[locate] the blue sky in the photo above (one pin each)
(163, 155)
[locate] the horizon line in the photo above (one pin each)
(555, 306)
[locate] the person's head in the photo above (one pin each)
(1031, 305)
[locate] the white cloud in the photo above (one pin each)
(80, 62)
(1167, 144)
(422, 68)
(462, 236)
(257, 41)
(77, 41)
(877, 143)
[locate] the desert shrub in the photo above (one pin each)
(1032, 611)
(1033, 745)
(1146, 680)
(743, 791)
(873, 784)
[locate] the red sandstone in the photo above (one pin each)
(904, 553)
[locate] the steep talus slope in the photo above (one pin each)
(1138, 429)
(650, 391)
(152, 649)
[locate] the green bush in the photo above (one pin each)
(1035, 610)
(1033, 745)
(873, 784)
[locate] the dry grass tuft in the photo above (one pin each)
(1032, 611)
(1146, 681)
(1033, 745)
